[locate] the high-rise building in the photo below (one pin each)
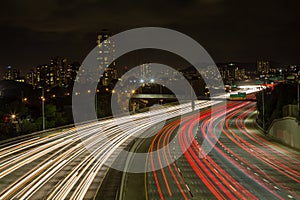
(71, 72)
(233, 71)
(57, 71)
(41, 75)
(263, 67)
(12, 74)
(31, 78)
(106, 55)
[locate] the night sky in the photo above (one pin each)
(230, 30)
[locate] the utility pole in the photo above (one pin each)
(298, 97)
(43, 108)
(96, 103)
(263, 107)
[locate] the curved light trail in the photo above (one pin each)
(242, 165)
(66, 164)
(73, 162)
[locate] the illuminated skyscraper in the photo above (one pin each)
(71, 72)
(263, 67)
(12, 74)
(31, 78)
(41, 75)
(57, 72)
(106, 56)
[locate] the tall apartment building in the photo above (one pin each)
(263, 67)
(106, 55)
(11, 74)
(57, 73)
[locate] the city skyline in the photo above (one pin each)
(173, 99)
(250, 66)
(237, 31)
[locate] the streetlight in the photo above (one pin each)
(13, 116)
(263, 107)
(298, 97)
(96, 102)
(43, 108)
(161, 101)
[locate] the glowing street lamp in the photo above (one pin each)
(43, 108)
(13, 116)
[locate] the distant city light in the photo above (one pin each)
(152, 80)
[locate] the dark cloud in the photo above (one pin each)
(32, 31)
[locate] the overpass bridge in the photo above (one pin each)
(174, 97)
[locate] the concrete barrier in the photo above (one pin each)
(287, 131)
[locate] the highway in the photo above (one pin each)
(243, 164)
(71, 163)
(228, 158)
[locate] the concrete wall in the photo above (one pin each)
(286, 130)
(290, 111)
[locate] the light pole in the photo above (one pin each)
(96, 102)
(263, 109)
(43, 108)
(298, 97)
(13, 117)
